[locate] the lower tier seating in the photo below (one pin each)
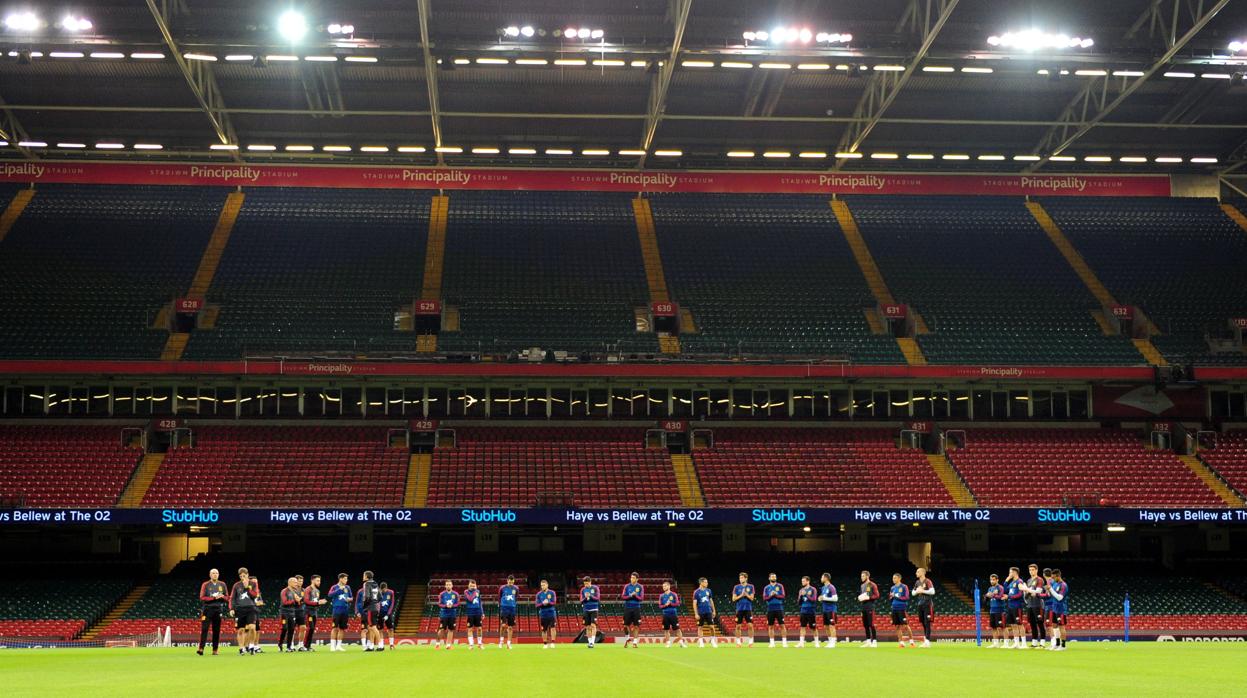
(282, 466)
(1229, 459)
(815, 467)
(518, 467)
(64, 466)
(57, 608)
(1052, 467)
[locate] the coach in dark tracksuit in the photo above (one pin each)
(214, 596)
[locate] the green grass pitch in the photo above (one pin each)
(1086, 669)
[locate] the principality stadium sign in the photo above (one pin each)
(765, 516)
(631, 181)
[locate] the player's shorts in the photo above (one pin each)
(389, 622)
(311, 613)
(997, 619)
(1059, 619)
(829, 618)
(211, 613)
(744, 617)
(898, 618)
(448, 622)
(300, 616)
(507, 618)
(670, 622)
(774, 617)
(809, 620)
(341, 620)
(1013, 616)
(590, 618)
(705, 619)
(474, 621)
(548, 622)
(244, 616)
(632, 616)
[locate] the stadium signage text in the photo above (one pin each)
(516, 179)
(571, 515)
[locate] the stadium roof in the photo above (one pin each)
(675, 79)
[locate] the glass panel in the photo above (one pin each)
(248, 402)
(578, 407)
(841, 403)
(1060, 405)
(394, 402)
(658, 402)
(599, 403)
(536, 404)
(58, 399)
(1078, 404)
(1000, 405)
(682, 402)
(1238, 405)
(742, 403)
(720, 404)
(413, 402)
(162, 400)
(474, 403)
(621, 402)
(353, 402)
(1019, 404)
(436, 400)
(863, 403)
(778, 407)
(78, 401)
(939, 404)
(959, 405)
(982, 404)
(98, 399)
(288, 402)
(1041, 404)
(802, 403)
(560, 403)
(268, 401)
(701, 403)
(922, 404)
(186, 399)
(899, 402)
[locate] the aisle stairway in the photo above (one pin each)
(434, 262)
(1234, 214)
(651, 257)
(136, 489)
(1214, 483)
(115, 612)
(416, 492)
(411, 610)
(686, 480)
(175, 345)
(874, 279)
(957, 488)
(14, 210)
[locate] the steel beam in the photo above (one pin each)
(11, 130)
(662, 81)
(430, 75)
(198, 76)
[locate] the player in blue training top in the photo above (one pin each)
(590, 603)
(830, 598)
(703, 604)
(508, 606)
(448, 615)
(1013, 610)
(743, 595)
(774, 595)
(899, 595)
(807, 597)
(997, 599)
(474, 610)
(633, 593)
(343, 599)
(1059, 590)
(669, 602)
(548, 614)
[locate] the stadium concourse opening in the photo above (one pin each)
(663, 330)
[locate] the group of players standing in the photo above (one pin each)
(1042, 598)
(375, 604)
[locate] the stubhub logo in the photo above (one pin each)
(487, 516)
(189, 516)
(778, 515)
(1064, 516)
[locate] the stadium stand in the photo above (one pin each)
(517, 466)
(317, 271)
(815, 467)
(59, 608)
(282, 466)
(990, 285)
(1054, 467)
(1229, 459)
(804, 295)
(64, 466)
(558, 270)
(86, 268)
(1172, 257)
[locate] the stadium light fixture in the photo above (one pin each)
(569, 61)
(66, 54)
(70, 23)
(485, 150)
(22, 21)
(337, 29)
(1034, 40)
(336, 148)
(776, 154)
(492, 61)
(148, 146)
(609, 63)
(1091, 73)
(1168, 160)
(1216, 76)
(884, 156)
(775, 66)
(1097, 158)
(697, 64)
(521, 151)
(147, 56)
(1127, 73)
(321, 59)
(222, 146)
(938, 69)
(448, 149)
(261, 147)
(1115, 528)
(1204, 161)
(1132, 159)
(806, 529)
(638, 64)
(740, 153)
(849, 156)
(813, 66)
(531, 61)
(559, 151)
(411, 149)
(920, 156)
(239, 57)
(107, 54)
(109, 145)
(1178, 74)
(71, 145)
(1063, 158)
(595, 152)
(281, 58)
(292, 25)
(1026, 158)
(812, 154)
(300, 148)
(793, 35)
(360, 59)
(992, 158)
(976, 69)
(736, 64)
(199, 57)
(374, 149)
(954, 156)
(32, 144)
(668, 153)
(1236, 46)
(889, 68)
(631, 152)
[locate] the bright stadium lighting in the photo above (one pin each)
(1169, 160)
(812, 154)
(920, 156)
(570, 61)
(71, 23)
(291, 25)
(697, 64)
(527, 31)
(336, 148)
(1127, 73)
(1063, 158)
(222, 146)
(22, 22)
(583, 33)
(740, 153)
(775, 66)
(1216, 76)
(374, 149)
(736, 64)
(883, 156)
(1204, 161)
(71, 145)
(1091, 73)
(521, 151)
(1115, 528)
(1236, 46)
(609, 63)
(66, 54)
(1097, 158)
(147, 56)
(1133, 159)
(559, 151)
(668, 153)
(411, 149)
(954, 156)
(261, 147)
(199, 57)
(975, 69)
(1179, 74)
(1035, 40)
(485, 151)
(638, 64)
(777, 154)
(849, 156)
(321, 59)
(569, 33)
(492, 61)
(299, 148)
(1026, 158)
(813, 66)
(148, 146)
(887, 68)
(31, 144)
(109, 145)
(281, 58)
(597, 34)
(511, 31)
(938, 69)
(632, 152)
(448, 149)
(991, 157)
(531, 61)
(595, 152)
(239, 57)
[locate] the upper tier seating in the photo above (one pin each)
(282, 466)
(316, 271)
(989, 283)
(86, 268)
(558, 270)
(1180, 260)
(815, 467)
(766, 274)
(1047, 467)
(593, 467)
(64, 466)
(1229, 459)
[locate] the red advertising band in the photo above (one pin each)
(396, 177)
